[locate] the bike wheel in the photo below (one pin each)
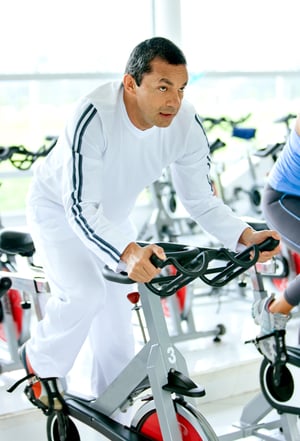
(60, 427)
(276, 394)
(193, 425)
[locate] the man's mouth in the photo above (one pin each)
(167, 115)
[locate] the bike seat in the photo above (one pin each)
(216, 145)
(16, 242)
(270, 150)
(244, 132)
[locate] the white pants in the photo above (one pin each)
(82, 305)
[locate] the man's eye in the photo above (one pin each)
(162, 88)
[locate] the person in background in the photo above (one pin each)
(281, 208)
(118, 140)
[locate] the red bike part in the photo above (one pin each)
(282, 283)
(150, 428)
(14, 303)
(296, 258)
(181, 293)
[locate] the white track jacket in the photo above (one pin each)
(91, 179)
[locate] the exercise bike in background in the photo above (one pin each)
(259, 159)
(15, 304)
(287, 263)
(169, 222)
(237, 130)
(21, 158)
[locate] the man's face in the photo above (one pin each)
(159, 96)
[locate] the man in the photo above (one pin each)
(118, 140)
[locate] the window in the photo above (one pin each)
(235, 35)
(71, 35)
(54, 52)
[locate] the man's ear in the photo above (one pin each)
(129, 84)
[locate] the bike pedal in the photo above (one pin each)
(183, 385)
(52, 401)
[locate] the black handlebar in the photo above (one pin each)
(271, 150)
(286, 118)
(211, 122)
(5, 284)
(215, 267)
(21, 158)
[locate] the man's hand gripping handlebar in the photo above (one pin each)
(215, 267)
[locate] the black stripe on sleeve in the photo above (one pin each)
(77, 180)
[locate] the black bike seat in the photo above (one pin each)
(16, 242)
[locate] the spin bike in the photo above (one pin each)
(279, 383)
(158, 374)
(17, 293)
(15, 302)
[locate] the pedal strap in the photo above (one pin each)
(279, 336)
(281, 356)
(280, 352)
(17, 383)
(53, 401)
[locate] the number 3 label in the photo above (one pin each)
(171, 354)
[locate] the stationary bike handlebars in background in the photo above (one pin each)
(15, 305)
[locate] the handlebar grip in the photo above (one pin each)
(112, 276)
(4, 153)
(269, 244)
(5, 284)
(156, 261)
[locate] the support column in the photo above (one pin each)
(167, 20)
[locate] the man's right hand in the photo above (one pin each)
(137, 259)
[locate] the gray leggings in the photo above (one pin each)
(282, 213)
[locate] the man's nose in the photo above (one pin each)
(174, 100)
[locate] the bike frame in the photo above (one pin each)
(154, 361)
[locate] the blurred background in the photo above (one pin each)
(242, 59)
